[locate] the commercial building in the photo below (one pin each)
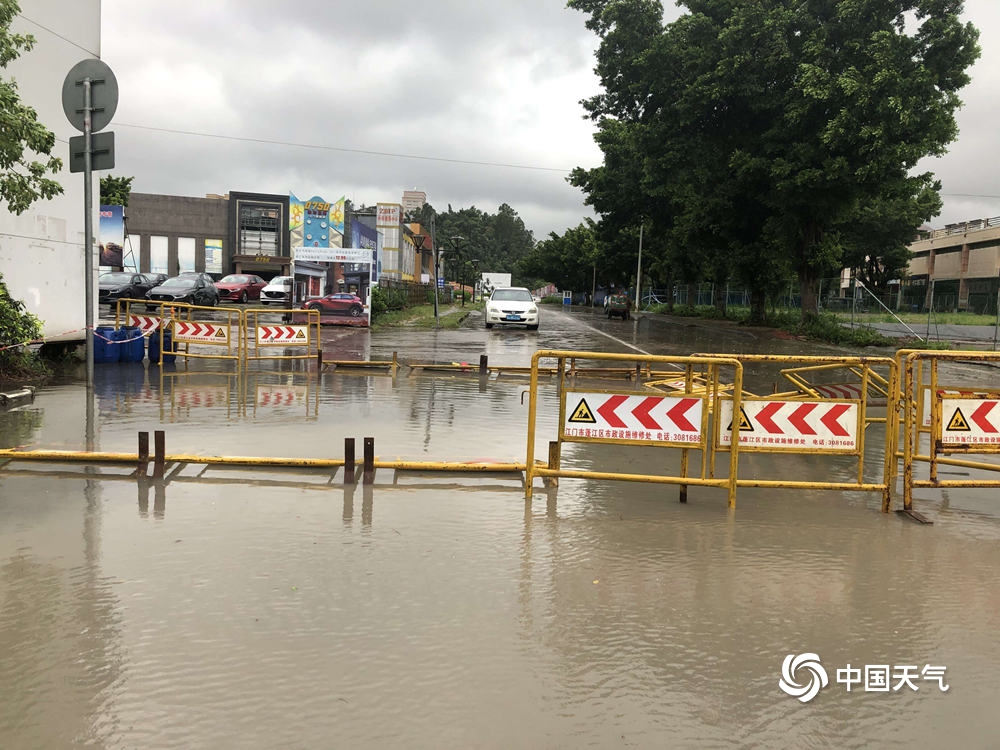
(241, 232)
(958, 267)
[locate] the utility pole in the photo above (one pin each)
(638, 274)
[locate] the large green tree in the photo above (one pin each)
(568, 260)
(768, 126)
(25, 144)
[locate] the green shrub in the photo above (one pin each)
(18, 326)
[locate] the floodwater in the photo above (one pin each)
(275, 608)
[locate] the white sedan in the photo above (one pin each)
(512, 306)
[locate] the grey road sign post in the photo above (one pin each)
(89, 99)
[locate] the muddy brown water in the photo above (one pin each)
(267, 608)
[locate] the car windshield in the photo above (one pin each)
(235, 278)
(178, 281)
(116, 278)
(281, 281)
(512, 295)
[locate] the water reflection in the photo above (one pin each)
(274, 608)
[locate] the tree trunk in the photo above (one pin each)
(719, 298)
(758, 307)
(809, 298)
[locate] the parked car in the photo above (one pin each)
(512, 306)
(190, 288)
(206, 276)
(277, 291)
(115, 285)
(240, 287)
(341, 303)
(155, 279)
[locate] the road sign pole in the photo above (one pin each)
(88, 256)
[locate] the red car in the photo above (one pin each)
(240, 287)
(341, 303)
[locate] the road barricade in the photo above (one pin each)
(282, 334)
(635, 417)
(956, 418)
(701, 410)
(807, 422)
(187, 330)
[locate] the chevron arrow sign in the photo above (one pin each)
(201, 333)
(144, 323)
(618, 417)
(278, 335)
(795, 426)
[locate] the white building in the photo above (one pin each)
(41, 250)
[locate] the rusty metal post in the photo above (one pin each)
(159, 450)
(555, 456)
(349, 461)
(483, 365)
(683, 494)
(143, 455)
(369, 467)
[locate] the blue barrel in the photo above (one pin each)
(133, 344)
(155, 349)
(106, 347)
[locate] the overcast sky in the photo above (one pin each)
(475, 103)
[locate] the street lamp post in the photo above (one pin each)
(418, 240)
(459, 266)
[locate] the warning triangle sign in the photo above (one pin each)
(745, 424)
(582, 413)
(300, 334)
(958, 423)
(220, 334)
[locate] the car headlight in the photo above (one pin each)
(532, 310)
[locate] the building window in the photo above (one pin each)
(185, 254)
(158, 256)
(258, 232)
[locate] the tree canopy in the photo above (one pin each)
(769, 137)
(498, 242)
(23, 178)
(115, 191)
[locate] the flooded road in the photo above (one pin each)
(239, 608)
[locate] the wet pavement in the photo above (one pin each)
(274, 608)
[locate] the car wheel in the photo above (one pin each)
(533, 328)
(489, 326)
(356, 311)
(243, 298)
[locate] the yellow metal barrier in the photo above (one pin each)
(729, 420)
(267, 331)
(187, 325)
(957, 420)
(798, 423)
(634, 417)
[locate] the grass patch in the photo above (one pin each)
(422, 316)
(941, 318)
(825, 327)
